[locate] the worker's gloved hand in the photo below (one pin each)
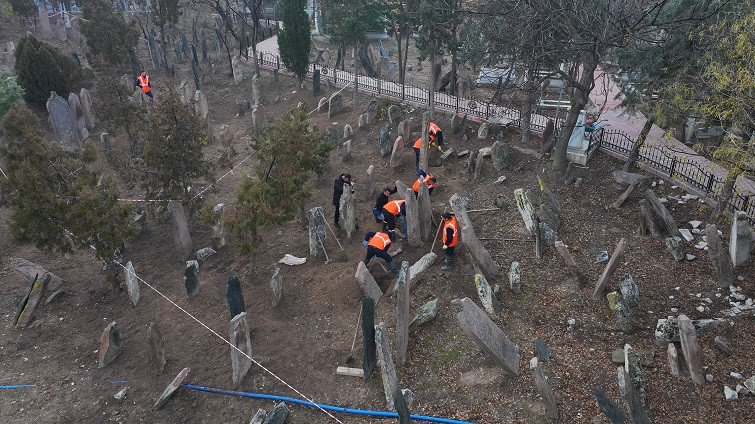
(364, 243)
(445, 247)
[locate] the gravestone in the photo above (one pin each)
(240, 342)
(77, 116)
(515, 277)
(185, 93)
(181, 230)
(526, 210)
(667, 329)
(131, 284)
(201, 109)
(322, 105)
(154, 53)
(476, 324)
(29, 303)
(627, 178)
(387, 369)
(184, 44)
(368, 337)
(718, 256)
(419, 267)
(673, 246)
(191, 278)
(673, 360)
(256, 92)
(385, 143)
(177, 51)
(335, 105)
(632, 398)
(32, 271)
(371, 111)
(413, 235)
(487, 297)
(472, 160)
(157, 346)
(368, 284)
(86, 108)
(455, 123)
(393, 114)
(347, 211)
(276, 283)
(258, 417)
(398, 147)
(543, 387)
(563, 250)
(110, 344)
(204, 49)
(660, 209)
(278, 414)
(43, 20)
(469, 239)
(332, 135)
(362, 121)
(424, 132)
(741, 239)
(500, 154)
(204, 253)
(171, 388)
(629, 291)
(405, 129)
(63, 124)
(316, 83)
(402, 407)
(259, 120)
(691, 349)
(478, 166)
(316, 231)
(613, 263)
(347, 132)
(370, 188)
(218, 231)
(346, 147)
(622, 310)
(425, 214)
(235, 297)
(403, 304)
(426, 312)
(276, 79)
(483, 131)
(238, 74)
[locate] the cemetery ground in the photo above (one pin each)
(309, 333)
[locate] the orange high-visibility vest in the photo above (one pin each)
(380, 240)
(451, 223)
(427, 182)
(434, 128)
(418, 143)
(393, 207)
(144, 83)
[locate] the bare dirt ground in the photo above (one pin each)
(309, 333)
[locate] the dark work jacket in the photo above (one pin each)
(337, 190)
(382, 199)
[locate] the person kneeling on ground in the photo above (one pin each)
(425, 179)
(377, 245)
(392, 210)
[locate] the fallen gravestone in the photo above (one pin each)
(110, 344)
(172, 387)
(28, 305)
(368, 337)
(563, 250)
(368, 284)
(31, 271)
(181, 233)
(426, 312)
(157, 346)
(469, 239)
(241, 348)
(235, 297)
(191, 278)
(421, 266)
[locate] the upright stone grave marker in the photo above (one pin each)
(44, 23)
(110, 344)
(402, 318)
(371, 111)
(543, 387)
(347, 211)
(63, 124)
(487, 297)
(77, 116)
(335, 104)
(316, 83)
(316, 231)
(718, 256)
(526, 210)
(631, 398)
(256, 92)
(276, 283)
(691, 349)
(131, 284)
(218, 232)
(238, 74)
(235, 297)
(181, 230)
(368, 337)
(385, 143)
(618, 255)
(741, 239)
(398, 147)
(201, 109)
(86, 108)
(668, 221)
(191, 278)
(278, 414)
(157, 346)
(476, 324)
(515, 277)
(29, 303)
(425, 214)
(368, 284)
(370, 188)
(412, 219)
(241, 342)
(154, 53)
(387, 369)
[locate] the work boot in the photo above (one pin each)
(448, 263)
(394, 269)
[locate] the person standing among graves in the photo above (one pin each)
(450, 239)
(142, 81)
(392, 210)
(337, 193)
(436, 135)
(380, 201)
(426, 179)
(377, 245)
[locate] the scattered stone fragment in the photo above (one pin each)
(730, 394)
(673, 360)
(736, 375)
(172, 387)
(750, 384)
(690, 257)
(205, 252)
(487, 298)
(721, 344)
(258, 417)
(602, 257)
(686, 234)
(121, 394)
(426, 313)
(515, 277)
(542, 350)
(627, 178)
(695, 224)
(278, 414)
(110, 344)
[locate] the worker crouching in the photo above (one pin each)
(377, 246)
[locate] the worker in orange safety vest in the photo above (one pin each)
(143, 82)
(377, 246)
(435, 140)
(426, 179)
(450, 239)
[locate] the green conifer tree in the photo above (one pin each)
(107, 33)
(294, 39)
(42, 68)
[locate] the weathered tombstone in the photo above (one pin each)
(110, 344)
(368, 337)
(238, 74)
(649, 219)
(483, 131)
(63, 124)
(673, 246)
(500, 154)
(44, 23)
(402, 407)
(316, 83)
(667, 329)
(191, 278)
(551, 409)
(218, 232)
(718, 256)
(370, 188)
(371, 111)
(419, 267)
(181, 233)
(515, 277)
(622, 310)
(673, 360)
(426, 312)
(402, 317)
(405, 129)
(157, 346)
(276, 283)
(77, 116)
(131, 284)
(398, 147)
(616, 257)
(347, 131)
(469, 239)
(278, 414)
(423, 150)
(723, 346)
(362, 121)
(184, 44)
(204, 49)
(526, 210)
(631, 398)
(256, 92)
(201, 109)
(367, 283)
(563, 250)
(385, 142)
(235, 297)
(172, 387)
(691, 349)
(335, 104)
(259, 119)
(487, 297)
(387, 369)
(154, 54)
(476, 324)
(413, 235)
(346, 148)
(347, 211)
(668, 221)
(241, 344)
(610, 409)
(86, 108)
(393, 114)
(629, 291)
(455, 123)
(29, 303)
(32, 271)
(548, 132)
(741, 239)
(463, 129)
(316, 231)
(425, 211)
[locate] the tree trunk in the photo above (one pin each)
(406, 54)
(454, 65)
(635, 153)
(165, 49)
(578, 101)
(530, 91)
(356, 72)
(431, 87)
(727, 191)
(399, 44)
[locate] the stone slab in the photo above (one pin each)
(172, 387)
(241, 345)
(132, 284)
(368, 284)
(691, 349)
(157, 346)
(111, 343)
(387, 369)
(369, 353)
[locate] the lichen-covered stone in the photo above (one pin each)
(487, 298)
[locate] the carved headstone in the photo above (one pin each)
(371, 111)
(347, 211)
(347, 132)
(741, 239)
(110, 344)
(500, 154)
(316, 231)
(618, 255)
(425, 214)
(387, 369)
(405, 129)
(402, 317)
(476, 324)
(218, 232)
(398, 147)
(240, 342)
(515, 277)
(413, 235)
(201, 109)
(238, 74)
(191, 278)
(63, 124)
(181, 233)
(235, 297)
(157, 346)
(393, 114)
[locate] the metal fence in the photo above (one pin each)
(683, 170)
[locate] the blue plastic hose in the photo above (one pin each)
(321, 405)
(17, 386)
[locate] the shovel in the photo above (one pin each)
(327, 259)
(343, 257)
(350, 358)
